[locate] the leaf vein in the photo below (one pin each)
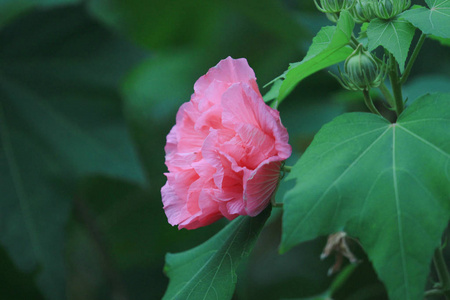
(399, 215)
(299, 224)
(425, 141)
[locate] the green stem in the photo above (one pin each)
(395, 84)
(433, 293)
(354, 42)
(387, 94)
(441, 269)
(413, 58)
(287, 169)
(369, 102)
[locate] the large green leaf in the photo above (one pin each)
(328, 48)
(60, 119)
(209, 270)
(434, 20)
(386, 184)
(394, 35)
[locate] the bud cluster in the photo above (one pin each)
(363, 10)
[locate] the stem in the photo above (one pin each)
(387, 94)
(287, 169)
(354, 42)
(433, 293)
(396, 86)
(85, 217)
(413, 58)
(369, 102)
(441, 269)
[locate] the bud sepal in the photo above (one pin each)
(388, 9)
(332, 8)
(361, 71)
(362, 11)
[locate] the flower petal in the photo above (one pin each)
(228, 70)
(260, 186)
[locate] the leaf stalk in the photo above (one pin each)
(396, 85)
(387, 94)
(287, 169)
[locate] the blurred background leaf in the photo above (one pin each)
(60, 119)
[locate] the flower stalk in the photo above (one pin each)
(369, 102)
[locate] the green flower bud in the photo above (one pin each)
(362, 11)
(361, 71)
(334, 6)
(388, 9)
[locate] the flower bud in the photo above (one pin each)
(361, 71)
(362, 11)
(388, 9)
(333, 7)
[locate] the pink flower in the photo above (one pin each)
(225, 152)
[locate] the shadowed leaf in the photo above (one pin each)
(209, 270)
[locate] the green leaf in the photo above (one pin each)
(394, 35)
(209, 270)
(60, 119)
(444, 42)
(435, 20)
(328, 48)
(272, 94)
(385, 184)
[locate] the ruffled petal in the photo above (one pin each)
(209, 212)
(241, 104)
(259, 188)
(171, 145)
(259, 145)
(174, 207)
(228, 70)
